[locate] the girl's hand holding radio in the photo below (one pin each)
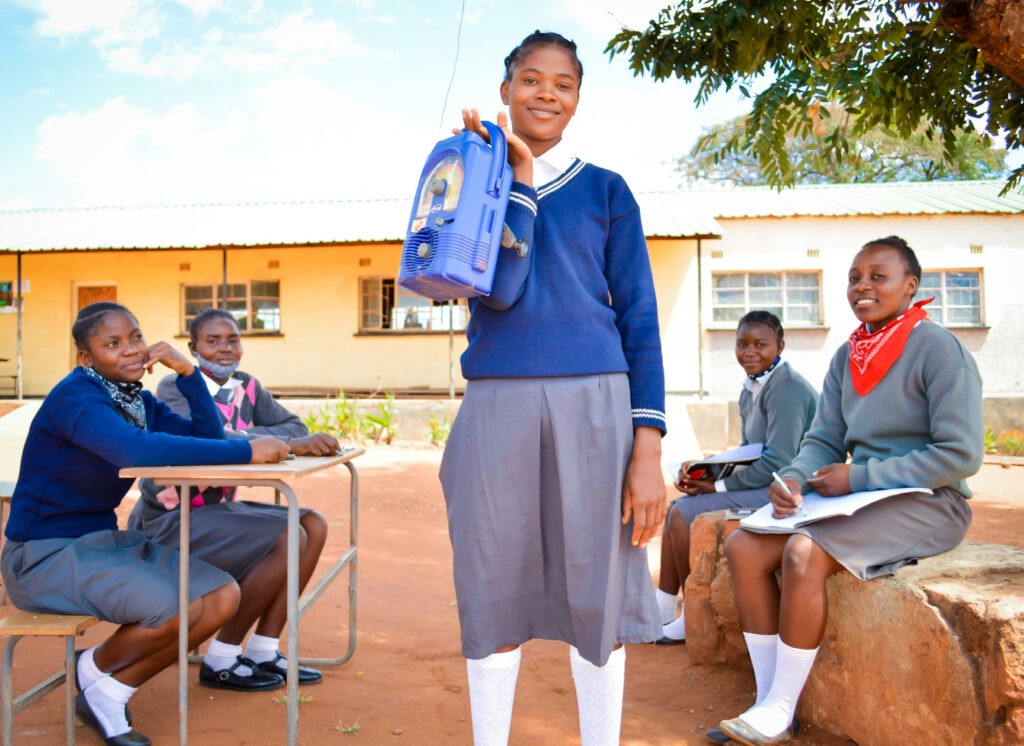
(519, 156)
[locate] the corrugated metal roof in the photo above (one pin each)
(682, 214)
(836, 200)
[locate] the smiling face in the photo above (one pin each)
(219, 341)
(880, 287)
(757, 346)
(116, 349)
(541, 94)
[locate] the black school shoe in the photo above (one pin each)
(87, 716)
(715, 735)
(258, 681)
(306, 675)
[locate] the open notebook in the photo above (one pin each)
(818, 508)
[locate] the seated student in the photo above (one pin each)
(776, 408)
(63, 552)
(903, 399)
(245, 539)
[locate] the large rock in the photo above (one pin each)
(932, 655)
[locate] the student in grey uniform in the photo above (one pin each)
(245, 538)
(776, 408)
(903, 400)
(64, 553)
(552, 474)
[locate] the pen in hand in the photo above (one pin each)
(778, 479)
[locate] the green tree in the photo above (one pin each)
(721, 155)
(900, 65)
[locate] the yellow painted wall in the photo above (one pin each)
(319, 345)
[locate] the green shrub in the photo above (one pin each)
(439, 429)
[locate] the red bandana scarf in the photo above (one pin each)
(873, 353)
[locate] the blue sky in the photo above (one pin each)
(120, 102)
(117, 102)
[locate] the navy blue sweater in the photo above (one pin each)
(582, 301)
(69, 486)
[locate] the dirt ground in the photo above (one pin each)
(406, 682)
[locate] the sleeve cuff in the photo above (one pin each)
(649, 418)
(720, 485)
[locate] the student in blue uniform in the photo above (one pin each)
(552, 472)
(244, 538)
(903, 400)
(64, 553)
(776, 408)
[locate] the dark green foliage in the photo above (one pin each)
(888, 64)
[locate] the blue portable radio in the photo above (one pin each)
(454, 236)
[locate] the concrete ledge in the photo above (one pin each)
(932, 655)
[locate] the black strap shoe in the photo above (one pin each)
(84, 711)
(306, 675)
(258, 681)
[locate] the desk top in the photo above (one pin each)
(282, 471)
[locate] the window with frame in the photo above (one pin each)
(795, 297)
(957, 296)
(256, 305)
(7, 299)
(384, 305)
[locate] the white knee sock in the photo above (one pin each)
(88, 672)
(599, 696)
(763, 652)
(260, 648)
(775, 713)
(666, 605)
(221, 655)
(676, 629)
(492, 691)
(107, 698)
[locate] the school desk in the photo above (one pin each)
(278, 477)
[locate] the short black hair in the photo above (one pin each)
(92, 316)
(542, 39)
(767, 318)
(205, 316)
(909, 257)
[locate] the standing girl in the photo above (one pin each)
(776, 408)
(552, 472)
(903, 399)
(64, 553)
(245, 539)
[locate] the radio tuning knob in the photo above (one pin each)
(436, 186)
(423, 250)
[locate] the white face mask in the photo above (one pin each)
(215, 369)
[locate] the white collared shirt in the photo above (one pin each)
(552, 164)
(213, 387)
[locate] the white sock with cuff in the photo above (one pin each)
(88, 672)
(763, 650)
(492, 691)
(666, 605)
(107, 699)
(792, 667)
(221, 655)
(260, 648)
(599, 696)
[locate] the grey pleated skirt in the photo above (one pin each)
(232, 536)
(117, 576)
(691, 507)
(882, 537)
(532, 477)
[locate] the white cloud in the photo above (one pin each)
(604, 18)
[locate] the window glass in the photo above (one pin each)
(795, 297)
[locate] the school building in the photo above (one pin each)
(313, 284)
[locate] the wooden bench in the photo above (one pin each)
(13, 628)
(931, 655)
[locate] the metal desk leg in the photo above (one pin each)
(183, 551)
(348, 559)
(292, 592)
